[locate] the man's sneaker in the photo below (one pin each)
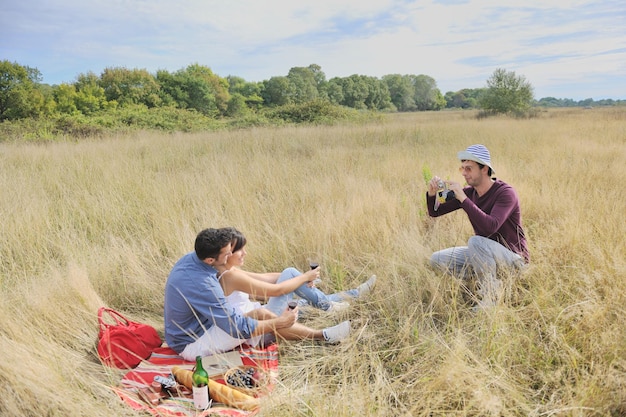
(337, 306)
(365, 288)
(337, 333)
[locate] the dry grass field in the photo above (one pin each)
(101, 222)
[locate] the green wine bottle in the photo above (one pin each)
(200, 380)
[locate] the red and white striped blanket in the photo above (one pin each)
(161, 362)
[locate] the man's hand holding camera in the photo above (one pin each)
(436, 185)
(457, 189)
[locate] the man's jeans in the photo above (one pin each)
(482, 256)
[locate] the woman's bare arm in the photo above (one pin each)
(270, 277)
(238, 280)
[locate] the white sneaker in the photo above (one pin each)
(337, 306)
(365, 288)
(337, 333)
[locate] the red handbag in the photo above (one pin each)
(125, 343)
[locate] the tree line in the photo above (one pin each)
(196, 88)
(469, 98)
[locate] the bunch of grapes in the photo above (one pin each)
(243, 378)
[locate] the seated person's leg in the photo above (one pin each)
(314, 296)
(330, 334)
(215, 340)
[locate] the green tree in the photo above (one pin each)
(195, 87)
(354, 89)
(359, 92)
(400, 91)
(318, 74)
(426, 94)
(200, 96)
(90, 96)
(550, 102)
(237, 106)
(19, 95)
(238, 85)
(65, 97)
(378, 97)
(278, 91)
(47, 94)
(466, 98)
(250, 91)
(454, 99)
(507, 93)
(136, 86)
(333, 91)
(214, 90)
(305, 83)
(172, 89)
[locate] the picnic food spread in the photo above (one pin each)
(152, 388)
(218, 392)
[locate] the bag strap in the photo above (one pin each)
(119, 319)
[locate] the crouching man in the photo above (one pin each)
(493, 209)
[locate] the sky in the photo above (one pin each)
(572, 49)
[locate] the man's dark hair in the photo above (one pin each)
(210, 242)
(481, 166)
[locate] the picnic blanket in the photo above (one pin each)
(161, 362)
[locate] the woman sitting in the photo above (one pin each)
(278, 288)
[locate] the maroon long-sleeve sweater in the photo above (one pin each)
(496, 215)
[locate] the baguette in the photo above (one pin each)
(218, 392)
(183, 376)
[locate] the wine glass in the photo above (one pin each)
(313, 265)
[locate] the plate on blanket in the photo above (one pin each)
(218, 365)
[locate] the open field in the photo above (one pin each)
(101, 222)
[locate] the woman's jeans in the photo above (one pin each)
(483, 257)
(310, 295)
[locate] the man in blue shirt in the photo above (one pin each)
(199, 321)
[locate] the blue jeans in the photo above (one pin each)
(481, 256)
(310, 295)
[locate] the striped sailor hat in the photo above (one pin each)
(477, 153)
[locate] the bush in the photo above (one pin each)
(517, 114)
(77, 127)
(317, 112)
(249, 120)
(158, 118)
(171, 119)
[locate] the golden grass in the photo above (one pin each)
(102, 222)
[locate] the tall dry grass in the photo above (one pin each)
(102, 222)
